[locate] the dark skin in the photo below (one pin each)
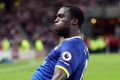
(67, 27)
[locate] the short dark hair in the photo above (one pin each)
(75, 12)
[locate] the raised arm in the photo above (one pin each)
(59, 74)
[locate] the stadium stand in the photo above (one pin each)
(30, 21)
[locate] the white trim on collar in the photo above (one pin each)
(73, 37)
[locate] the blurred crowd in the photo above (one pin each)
(31, 22)
(27, 24)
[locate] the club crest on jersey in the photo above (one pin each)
(66, 56)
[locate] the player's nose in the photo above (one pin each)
(56, 20)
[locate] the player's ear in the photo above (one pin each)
(74, 21)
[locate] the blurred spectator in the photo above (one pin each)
(97, 44)
(5, 44)
(39, 45)
(25, 45)
(39, 48)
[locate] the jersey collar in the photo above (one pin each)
(73, 37)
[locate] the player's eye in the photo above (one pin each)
(61, 15)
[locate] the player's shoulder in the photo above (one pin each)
(72, 42)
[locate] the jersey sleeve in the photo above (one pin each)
(69, 58)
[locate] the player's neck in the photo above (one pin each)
(75, 33)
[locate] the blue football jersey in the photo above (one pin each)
(71, 56)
